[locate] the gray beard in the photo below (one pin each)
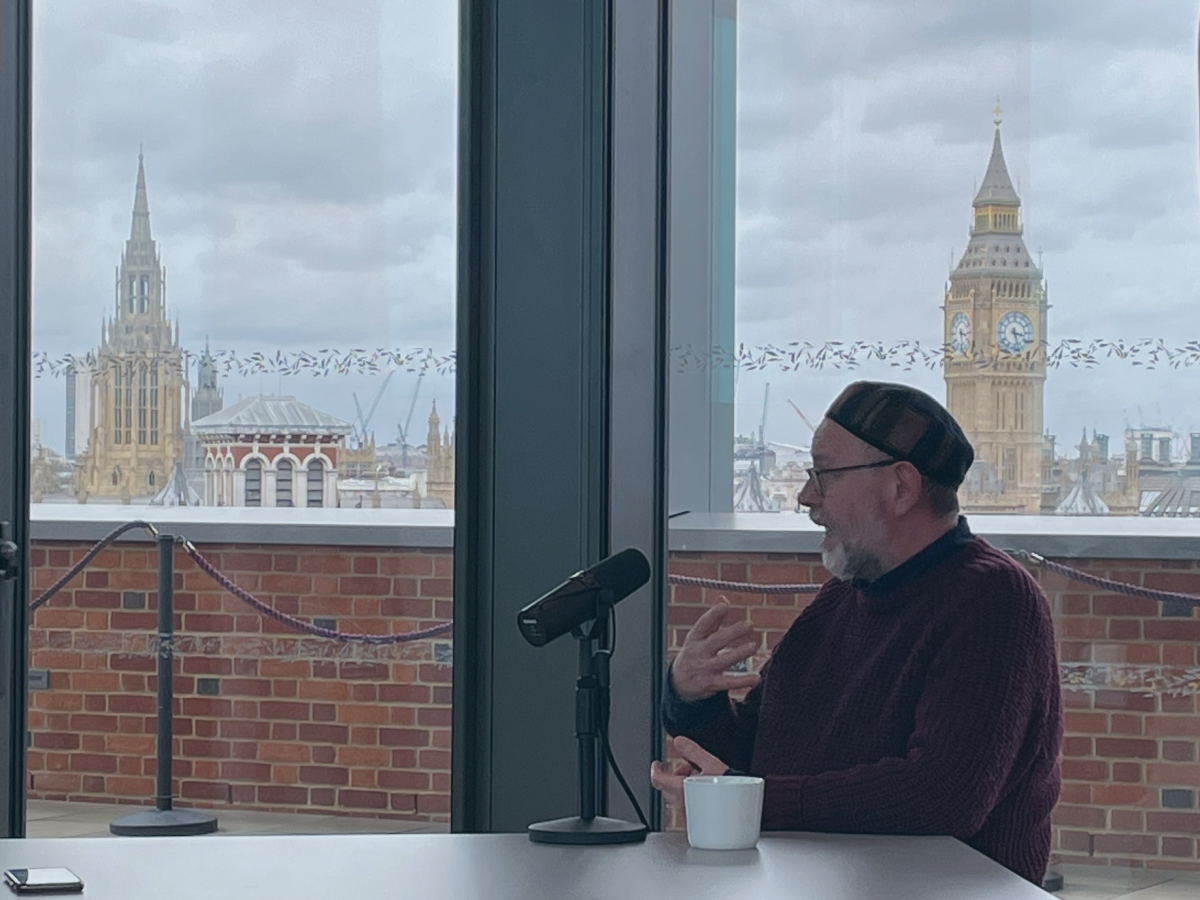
(851, 565)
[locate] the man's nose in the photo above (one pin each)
(809, 496)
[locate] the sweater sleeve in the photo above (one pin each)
(722, 726)
(983, 692)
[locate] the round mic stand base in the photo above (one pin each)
(160, 822)
(597, 830)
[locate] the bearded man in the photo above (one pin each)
(918, 693)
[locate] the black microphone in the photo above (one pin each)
(574, 601)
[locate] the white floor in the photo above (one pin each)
(1110, 883)
(53, 818)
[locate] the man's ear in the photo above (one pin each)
(908, 487)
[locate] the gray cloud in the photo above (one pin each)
(301, 167)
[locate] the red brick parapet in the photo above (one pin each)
(303, 724)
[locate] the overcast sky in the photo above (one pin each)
(300, 160)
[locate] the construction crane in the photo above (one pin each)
(810, 425)
(762, 425)
(754, 448)
(403, 429)
(364, 421)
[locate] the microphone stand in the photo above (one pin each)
(591, 826)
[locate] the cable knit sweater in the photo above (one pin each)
(926, 702)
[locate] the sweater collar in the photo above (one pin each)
(917, 564)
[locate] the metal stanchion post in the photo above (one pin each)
(163, 820)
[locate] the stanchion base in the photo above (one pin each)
(574, 830)
(164, 822)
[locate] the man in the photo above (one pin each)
(918, 692)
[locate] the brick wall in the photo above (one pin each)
(264, 718)
(303, 724)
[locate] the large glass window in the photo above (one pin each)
(1001, 210)
(244, 273)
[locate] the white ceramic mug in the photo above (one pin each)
(724, 812)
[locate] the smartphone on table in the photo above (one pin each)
(43, 881)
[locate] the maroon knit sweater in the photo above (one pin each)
(926, 702)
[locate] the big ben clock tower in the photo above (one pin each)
(995, 366)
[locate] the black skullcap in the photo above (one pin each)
(905, 424)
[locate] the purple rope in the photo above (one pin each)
(1119, 587)
(87, 558)
(299, 624)
(739, 587)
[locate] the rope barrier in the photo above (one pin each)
(734, 587)
(246, 597)
(299, 624)
(88, 557)
(738, 587)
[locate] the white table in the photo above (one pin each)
(502, 866)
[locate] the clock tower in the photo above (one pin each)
(995, 350)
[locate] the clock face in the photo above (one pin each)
(960, 333)
(1014, 332)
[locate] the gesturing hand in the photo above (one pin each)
(696, 761)
(713, 644)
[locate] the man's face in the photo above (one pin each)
(849, 506)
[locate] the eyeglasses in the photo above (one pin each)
(814, 475)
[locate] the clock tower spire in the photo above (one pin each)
(995, 361)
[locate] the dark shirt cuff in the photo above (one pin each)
(680, 716)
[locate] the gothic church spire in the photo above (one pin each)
(139, 232)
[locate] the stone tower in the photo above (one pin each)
(137, 382)
(208, 398)
(439, 461)
(995, 368)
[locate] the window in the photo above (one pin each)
(143, 396)
(254, 483)
(845, 211)
(154, 403)
(283, 483)
(118, 406)
(316, 483)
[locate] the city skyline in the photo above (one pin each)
(856, 162)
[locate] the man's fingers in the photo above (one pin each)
(710, 622)
(732, 633)
(701, 759)
(729, 655)
(740, 682)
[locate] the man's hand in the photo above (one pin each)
(712, 645)
(697, 761)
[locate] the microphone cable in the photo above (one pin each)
(608, 754)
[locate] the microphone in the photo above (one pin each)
(574, 601)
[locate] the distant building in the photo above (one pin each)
(995, 370)
(1094, 483)
(135, 404)
(79, 407)
(69, 430)
(439, 461)
(207, 398)
(271, 451)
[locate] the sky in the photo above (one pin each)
(300, 160)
